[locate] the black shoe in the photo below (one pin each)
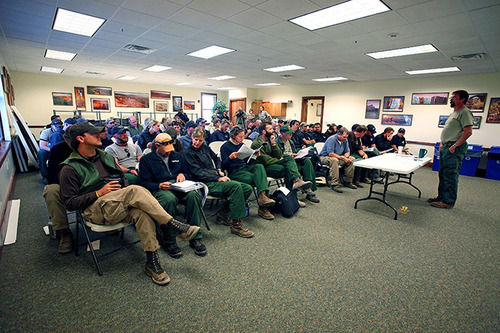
(173, 250)
(358, 184)
(198, 247)
(312, 198)
(337, 188)
(351, 185)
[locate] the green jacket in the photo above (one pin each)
(281, 144)
(267, 156)
(87, 172)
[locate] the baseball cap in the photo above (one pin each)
(200, 120)
(286, 129)
(401, 130)
(165, 140)
(110, 120)
(70, 121)
(56, 122)
(371, 129)
(120, 130)
(81, 128)
(190, 124)
(280, 121)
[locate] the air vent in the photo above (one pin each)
(138, 49)
(287, 76)
(470, 57)
(93, 73)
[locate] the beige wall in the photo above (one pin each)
(345, 102)
(312, 107)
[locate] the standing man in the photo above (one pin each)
(457, 129)
(89, 183)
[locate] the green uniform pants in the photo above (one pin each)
(306, 169)
(237, 193)
(284, 168)
(359, 172)
(254, 175)
(449, 169)
(169, 201)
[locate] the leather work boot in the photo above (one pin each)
(65, 242)
(299, 184)
(184, 231)
(265, 214)
(311, 196)
(238, 229)
(440, 204)
(264, 201)
(302, 204)
(222, 216)
(154, 269)
(431, 200)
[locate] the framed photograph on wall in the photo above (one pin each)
(94, 90)
(429, 98)
(477, 122)
(80, 98)
(157, 94)
(177, 100)
(189, 105)
(100, 104)
(372, 109)
(131, 100)
(397, 119)
(394, 103)
(442, 120)
(161, 106)
(319, 108)
(476, 102)
(62, 98)
(494, 111)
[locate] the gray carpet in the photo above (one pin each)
(330, 268)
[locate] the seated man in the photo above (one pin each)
(277, 165)
(134, 128)
(221, 134)
(188, 138)
(239, 170)
(158, 171)
(356, 148)
(368, 141)
(336, 154)
(304, 165)
(148, 134)
(92, 183)
(316, 134)
(399, 140)
(126, 154)
(58, 136)
(205, 166)
(43, 153)
(383, 140)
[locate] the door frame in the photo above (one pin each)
(232, 100)
(303, 112)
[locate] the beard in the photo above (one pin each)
(452, 104)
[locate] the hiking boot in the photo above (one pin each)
(65, 242)
(321, 180)
(153, 269)
(173, 250)
(238, 229)
(301, 204)
(265, 214)
(358, 184)
(431, 200)
(351, 185)
(300, 184)
(378, 180)
(198, 247)
(337, 188)
(183, 231)
(222, 216)
(311, 196)
(440, 204)
(264, 201)
(365, 180)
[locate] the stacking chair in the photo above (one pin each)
(215, 146)
(324, 168)
(86, 225)
(247, 142)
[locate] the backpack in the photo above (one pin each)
(286, 201)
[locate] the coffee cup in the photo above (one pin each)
(400, 150)
(422, 152)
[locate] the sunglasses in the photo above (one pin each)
(128, 153)
(166, 142)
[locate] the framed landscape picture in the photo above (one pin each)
(476, 102)
(62, 98)
(394, 103)
(94, 90)
(80, 98)
(397, 119)
(372, 108)
(131, 100)
(477, 122)
(161, 106)
(429, 98)
(156, 94)
(494, 111)
(177, 100)
(189, 105)
(100, 104)
(442, 120)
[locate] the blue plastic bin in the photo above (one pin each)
(493, 164)
(435, 161)
(471, 160)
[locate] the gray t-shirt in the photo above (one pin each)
(127, 156)
(46, 134)
(454, 126)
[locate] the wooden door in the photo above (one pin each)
(233, 107)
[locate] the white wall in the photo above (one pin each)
(312, 106)
(345, 103)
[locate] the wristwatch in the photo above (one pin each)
(454, 145)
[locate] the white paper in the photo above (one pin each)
(246, 151)
(302, 153)
(186, 186)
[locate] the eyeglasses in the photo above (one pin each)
(128, 153)
(166, 142)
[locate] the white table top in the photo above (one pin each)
(390, 162)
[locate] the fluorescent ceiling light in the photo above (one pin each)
(51, 70)
(226, 88)
(222, 77)
(403, 52)
(59, 55)
(156, 68)
(267, 84)
(326, 79)
(344, 12)
(284, 68)
(127, 78)
(183, 83)
(434, 70)
(210, 52)
(76, 23)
